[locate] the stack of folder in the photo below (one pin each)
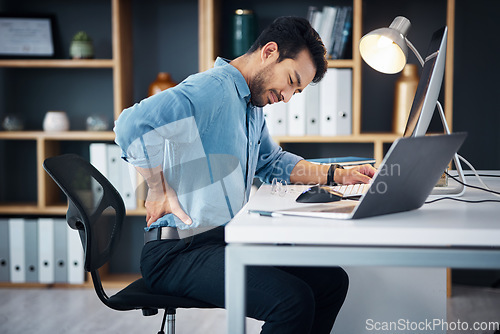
(122, 175)
(43, 250)
(324, 109)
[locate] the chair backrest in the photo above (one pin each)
(95, 208)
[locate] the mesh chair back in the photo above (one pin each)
(95, 208)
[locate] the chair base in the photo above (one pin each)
(168, 322)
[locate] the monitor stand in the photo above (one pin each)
(459, 189)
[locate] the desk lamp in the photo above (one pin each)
(386, 50)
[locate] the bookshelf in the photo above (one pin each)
(48, 144)
(47, 200)
(210, 45)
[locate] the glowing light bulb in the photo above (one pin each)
(384, 42)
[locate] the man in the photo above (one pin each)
(199, 146)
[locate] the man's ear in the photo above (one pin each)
(269, 52)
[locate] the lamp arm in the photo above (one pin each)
(415, 51)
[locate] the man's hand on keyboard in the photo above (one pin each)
(356, 174)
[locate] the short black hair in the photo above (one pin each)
(294, 34)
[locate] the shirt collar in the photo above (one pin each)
(239, 80)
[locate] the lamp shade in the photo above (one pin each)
(385, 49)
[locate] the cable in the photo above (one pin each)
(473, 170)
(463, 200)
(483, 175)
(475, 187)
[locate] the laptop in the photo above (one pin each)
(404, 180)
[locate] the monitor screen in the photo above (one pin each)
(429, 86)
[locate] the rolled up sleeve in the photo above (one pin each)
(273, 161)
(173, 115)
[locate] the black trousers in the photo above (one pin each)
(288, 299)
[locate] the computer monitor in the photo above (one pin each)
(429, 86)
(426, 98)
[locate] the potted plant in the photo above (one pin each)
(81, 46)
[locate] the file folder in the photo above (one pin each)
(60, 251)
(75, 257)
(129, 184)
(275, 115)
(46, 250)
(4, 250)
(16, 249)
(98, 158)
(119, 176)
(336, 102)
(31, 249)
(312, 109)
(297, 115)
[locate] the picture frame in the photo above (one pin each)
(26, 36)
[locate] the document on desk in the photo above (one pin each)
(267, 203)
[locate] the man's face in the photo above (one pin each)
(278, 81)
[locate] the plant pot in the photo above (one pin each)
(81, 50)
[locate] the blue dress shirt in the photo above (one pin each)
(210, 141)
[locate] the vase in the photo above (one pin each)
(163, 81)
(56, 121)
(97, 123)
(404, 92)
(12, 123)
(244, 31)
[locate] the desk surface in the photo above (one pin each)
(444, 223)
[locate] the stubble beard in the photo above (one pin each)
(258, 92)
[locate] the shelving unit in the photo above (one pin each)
(48, 197)
(209, 46)
(48, 201)
(47, 143)
(58, 63)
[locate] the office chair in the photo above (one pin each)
(97, 211)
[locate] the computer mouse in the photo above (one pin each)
(319, 194)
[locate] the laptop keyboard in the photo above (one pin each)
(352, 190)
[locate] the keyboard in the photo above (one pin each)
(352, 190)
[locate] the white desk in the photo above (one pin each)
(442, 234)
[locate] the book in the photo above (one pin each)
(344, 161)
(345, 32)
(315, 16)
(312, 11)
(327, 26)
(338, 29)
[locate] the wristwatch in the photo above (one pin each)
(331, 173)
